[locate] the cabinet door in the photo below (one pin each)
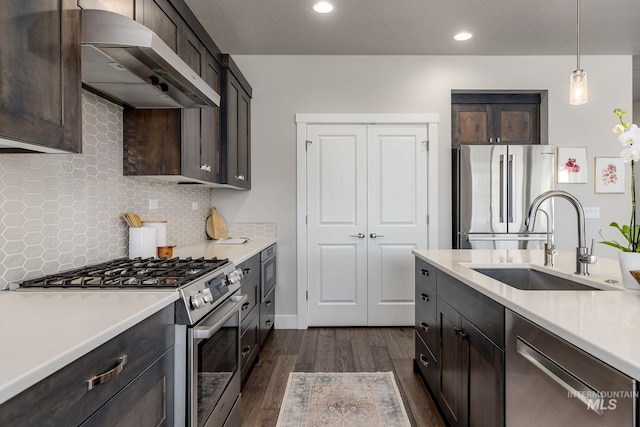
(486, 379)
(164, 20)
(451, 365)
(210, 121)
(516, 123)
(238, 134)
(192, 165)
(146, 402)
(40, 79)
(122, 7)
(471, 124)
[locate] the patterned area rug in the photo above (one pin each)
(342, 399)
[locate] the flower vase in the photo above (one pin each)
(630, 269)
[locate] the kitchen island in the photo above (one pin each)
(498, 354)
(604, 323)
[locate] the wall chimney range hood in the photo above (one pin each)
(126, 61)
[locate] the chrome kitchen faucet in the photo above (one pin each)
(583, 257)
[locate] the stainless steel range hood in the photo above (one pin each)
(125, 60)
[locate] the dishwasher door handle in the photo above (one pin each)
(563, 377)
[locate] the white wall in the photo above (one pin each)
(285, 85)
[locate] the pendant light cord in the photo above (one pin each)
(578, 34)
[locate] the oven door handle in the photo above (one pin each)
(233, 307)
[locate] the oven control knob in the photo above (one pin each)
(207, 296)
(234, 276)
(196, 301)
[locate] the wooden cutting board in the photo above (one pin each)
(216, 226)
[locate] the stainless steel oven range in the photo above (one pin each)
(207, 348)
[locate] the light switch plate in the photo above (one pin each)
(153, 204)
(592, 212)
(194, 205)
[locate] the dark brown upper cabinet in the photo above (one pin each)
(40, 109)
(179, 145)
(236, 126)
(495, 119)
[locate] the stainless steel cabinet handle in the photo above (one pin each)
(424, 326)
(490, 140)
(206, 168)
(359, 235)
(424, 360)
(498, 140)
(563, 377)
(245, 306)
(424, 272)
(374, 235)
(103, 378)
(424, 297)
(240, 177)
(461, 333)
(511, 173)
(246, 350)
(268, 323)
(503, 188)
(267, 303)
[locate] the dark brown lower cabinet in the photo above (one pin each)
(145, 402)
(137, 369)
(470, 373)
(466, 377)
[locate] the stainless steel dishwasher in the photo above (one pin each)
(549, 382)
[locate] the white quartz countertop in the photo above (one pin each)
(43, 331)
(603, 323)
(235, 253)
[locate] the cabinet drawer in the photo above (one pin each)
(427, 328)
(251, 290)
(250, 268)
(426, 363)
(485, 314)
(249, 346)
(145, 402)
(267, 315)
(426, 276)
(63, 398)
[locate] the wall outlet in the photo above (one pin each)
(592, 212)
(153, 204)
(194, 205)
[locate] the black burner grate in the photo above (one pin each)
(135, 273)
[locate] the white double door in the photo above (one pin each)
(366, 211)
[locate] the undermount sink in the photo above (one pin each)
(533, 280)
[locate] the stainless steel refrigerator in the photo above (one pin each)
(493, 188)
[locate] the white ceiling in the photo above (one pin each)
(421, 27)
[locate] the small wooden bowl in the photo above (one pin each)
(165, 251)
(635, 274)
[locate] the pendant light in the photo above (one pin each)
(578, 81)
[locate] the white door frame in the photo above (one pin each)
(302, 120)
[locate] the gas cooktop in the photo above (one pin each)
(137, 273)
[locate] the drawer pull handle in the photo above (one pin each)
(267, 303)
(103, 378)
(245, 306)
(424, 297)
(461, 333)
(424, 272)
(424, 326)
(246, 350)
(268, 323)
(424, 360)
(246, 271)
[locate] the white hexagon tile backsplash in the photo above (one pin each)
(61, 211)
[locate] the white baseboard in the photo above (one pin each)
(286, 321)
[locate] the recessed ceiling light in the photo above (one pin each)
(463, 36)
(323, 7)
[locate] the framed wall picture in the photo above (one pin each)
(609, 175)
(572, 165)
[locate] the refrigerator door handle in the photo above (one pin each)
(511, 188)
(503, 187)
(507, 238)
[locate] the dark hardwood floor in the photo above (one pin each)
(334, 350)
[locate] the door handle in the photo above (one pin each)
(374, 235)
(511, 209)
(503, 188)
(359, 235)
